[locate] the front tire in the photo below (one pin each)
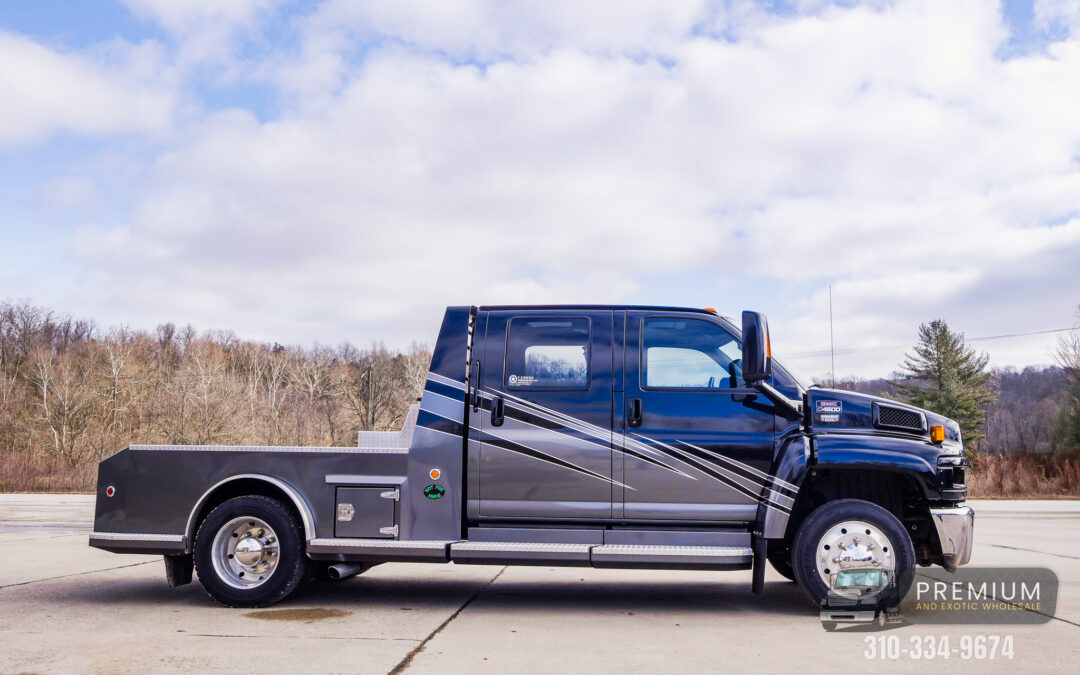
(249, 552)
(874, 532)
(782, 566)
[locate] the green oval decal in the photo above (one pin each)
(434, 491)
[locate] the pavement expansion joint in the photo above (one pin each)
(407, 661)
(76, 574)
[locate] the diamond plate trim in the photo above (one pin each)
(696, 551)
(496, 546)
(361, 544)
(135, 536)
(343, 450)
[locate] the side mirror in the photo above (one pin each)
(756, 350)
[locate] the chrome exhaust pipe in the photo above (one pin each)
(344, 570)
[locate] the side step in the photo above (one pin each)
(379, 550)
(673, 557)
(520, 553)
(639, 556)
(603, 555)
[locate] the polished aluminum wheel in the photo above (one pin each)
(245, 552)
(853, 544)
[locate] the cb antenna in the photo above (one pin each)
(832, 345)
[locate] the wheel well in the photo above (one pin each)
(897, 493)
(238, 487)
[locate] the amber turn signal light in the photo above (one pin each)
(937, 433)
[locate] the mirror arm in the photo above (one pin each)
(789, 408)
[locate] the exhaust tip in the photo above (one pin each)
(343, 571)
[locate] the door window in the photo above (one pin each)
(547, 353)
(689, 354)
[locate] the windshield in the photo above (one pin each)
(800, 379)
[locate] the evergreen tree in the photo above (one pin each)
(948, 377)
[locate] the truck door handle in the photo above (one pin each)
(474, 394)
(633, 414)
(497, 412)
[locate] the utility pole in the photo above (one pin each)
(832, 345)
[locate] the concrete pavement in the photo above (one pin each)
(67, 607)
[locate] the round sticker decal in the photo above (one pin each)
(434, 491)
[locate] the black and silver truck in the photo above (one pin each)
(603, 436)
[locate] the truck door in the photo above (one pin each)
(694, 447)
(545, 423)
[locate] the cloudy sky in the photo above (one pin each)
(342, 170)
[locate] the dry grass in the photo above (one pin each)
(1024, 476)
(20, 474)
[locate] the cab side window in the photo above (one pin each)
(547, 353)
(682, 353)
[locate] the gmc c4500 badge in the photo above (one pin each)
(829, 411)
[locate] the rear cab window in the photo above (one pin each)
(548, 353)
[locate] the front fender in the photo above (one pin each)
(788, 471)
(913, 458)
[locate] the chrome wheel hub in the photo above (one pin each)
(853, 544)
(245, 552)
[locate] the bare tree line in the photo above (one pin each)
(72, 394)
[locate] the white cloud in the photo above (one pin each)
(487, 29)
(105, 91)
(1050, 14)
(206, 29)
(883, 148)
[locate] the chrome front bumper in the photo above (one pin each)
(955, 528)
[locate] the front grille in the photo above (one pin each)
(899, 418)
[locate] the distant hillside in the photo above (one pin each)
(1024, 417)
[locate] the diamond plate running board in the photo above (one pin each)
(519, 553)
(673, 557)
(383, 550)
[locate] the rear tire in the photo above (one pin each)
(805, 554)
(249, 552)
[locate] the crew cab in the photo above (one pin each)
(603, 436)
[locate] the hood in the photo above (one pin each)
(837, 411)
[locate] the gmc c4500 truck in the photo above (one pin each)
(603, 436)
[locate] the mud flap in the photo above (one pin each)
(760, 547)
(178, 569)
